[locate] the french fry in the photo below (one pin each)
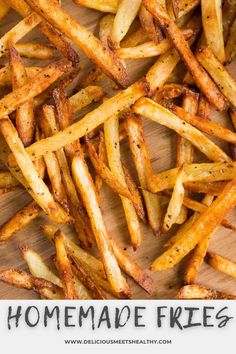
(230, 48)
(4, 9)
(229, 11)
(204, 108)
(21, 219)
(142, 162)
(64, 267)
(161, 115)
(206, 224)
(213, 188)
(25, 123)
(102, 156)
(92, 47)
(85, 96)
(111, 131)
(202, 79)
(221, 264)
(182, 7)
(134, 39)
(105, 27)
(213, 27)
(200, 292)
(149, 25)
(100, 5)
(39, 164)
(88, 193)
(91, 78)
(126, 13)
(5, 76)
(7, 180)
(42, 194)
(220, 75)
(170, 91)
(34, 50)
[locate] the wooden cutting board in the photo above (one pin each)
(162, 144)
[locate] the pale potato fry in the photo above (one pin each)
(85, 96)
(92, 46)
(34, 50)
(229, 12)
(202, 79)
(4, 9)
(64, 267)
(88, 193)
(105, 27)
(111, 132)
(220, 75)
(182, 7)
(221, 264)
(21, 219)
(100, 5)
(213, 27)
(141, 158)
(5, 76)
(161, 115)
(25, 122)
(206, 224)
(124, 17)
(192, 292)
(39, 164)
(149, 25)
(134, 39)
(42, 194)
(230, 49)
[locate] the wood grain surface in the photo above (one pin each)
(162, 144)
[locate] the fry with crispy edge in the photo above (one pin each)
(206, 224)
(134, 39)
(88, 193)
(230, 48)
(213, 27)
(149, 25)
(5, 75)
(21, 279)
(191, 292)
(4, 9)
(85, 96)
(93, 47)
(100, 5)
(220, 75)
(34, 50)
(141, 158)
(111, 132)
(152, 110)
(221, 264)
(182, 7)
(105, 27)
(22, 218)
(202, 79)
(213, 188)
(204, 108)
(102, 156)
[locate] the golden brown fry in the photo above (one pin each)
(105, 27)
(111, 131)
(39, 164)
(182, 7)
(229, 12)
(142, 162)
(34, 50)
(102, 156)
(213, 188)
(7, 180)
(161, 115)
(88, 193)
(92, 47)
(64, 267)
(21, 219)
(134, 39)
(204, 108)
(206, 224)
(85, 96)
(100, 5)
(202, 79)
(91, 78)
(4, 9)
(5, 75)
(149, 25)
(192, 292)
(230, 49)
(170, 91)
(221, 264)
(213, 27)
(220, 75)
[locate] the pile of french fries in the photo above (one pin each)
(62, 161)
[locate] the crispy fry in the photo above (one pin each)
(100, 5)
(159, 114)
(230, 49)
(111, 131)
(4, 9)
(88, 193)
(200, 292)
(102, 156)
(92, 47)
(213, 188)
(202, 79)
(39, 164)
(21, 219)
(170, 91)
(5, 75)
(134, 39)
(182, 7)
(206, 224)
(91, 78)
(204, 108)
(105, 27)
(142, 162)
(221, 264)
(229, 12)
(34, 50)
(149, 25)
(220, 75)
(85, 96)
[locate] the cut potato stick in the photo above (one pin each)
(170, 91)
(21, 279)
(85, 96)
(34, 50)
(213, 27)
(4, 9)
(207, 223)
(21, 219)
(213, 188)
(91, 78)
(102, 156)
(229, 12)
(204, 108)
(220, 75)
(42, 194)
(111, 131)
(7, 180)
(221, 264)
(202, 79)
(25, 123)
(39, 164)
(105, 27)
(64, 267)
(134, 39)
(88, 193)
(100, 5)
(141, 158)
(149, 25)
(182, 7)
(159, 114)
(5, 76)
(191, 292)
(92, 47)
(230, 49)
(124, 17)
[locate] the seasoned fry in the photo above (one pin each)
(200, 292)
(88, 193)
(102, 156)
(182, 7)
(111, 131)
(229, 12)
(21, 219)
(34, 50)
(142, 162)
(230, 48)
(91, 78)
(85, 96)
(206, 224)
(149, 25)
(5, 76)
(4, 9)
(92, 47)
(170, 91)
(105, 27)
(134, 39)
(220, 75)
(213, 27)
(213, 188)
(203, 81)
(159, 114)
(204, 108)
(100, 5)
(221, 264)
